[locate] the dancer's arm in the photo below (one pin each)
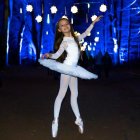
(55, 55)
(88, 30)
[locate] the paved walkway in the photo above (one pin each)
(110, 107)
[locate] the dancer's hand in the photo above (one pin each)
(46, 55)
(97, 19)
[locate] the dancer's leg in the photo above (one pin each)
(74, 94)
(64, 82)
(73, 84)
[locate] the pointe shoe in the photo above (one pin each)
(54, 128)
(79, 122)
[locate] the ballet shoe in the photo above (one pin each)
(79, 122)
(54, 128)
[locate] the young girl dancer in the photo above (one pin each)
(65, 40)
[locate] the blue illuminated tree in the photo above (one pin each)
(119, 31)
(15, 27)
(31, 34)
(2, 32)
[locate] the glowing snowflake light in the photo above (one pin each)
(96, 39)
(85, 44)
(38, 18)
(74, 9)
(89, 48)
(53, 9)
(93, 17)
(29, 8)
(103, 8)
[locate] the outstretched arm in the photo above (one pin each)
(88, 30)
(55, 55)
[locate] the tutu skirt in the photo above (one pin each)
(76, 71)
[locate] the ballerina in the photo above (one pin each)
(65, 40)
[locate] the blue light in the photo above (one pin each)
(47, 32)
(48, 19)
(98, 33)
(93, 48)
(115, 45)
(117, 32)
(115, 49)
(7, 50)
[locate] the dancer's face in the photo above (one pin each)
(64, 26)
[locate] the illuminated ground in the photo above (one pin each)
(110, 107)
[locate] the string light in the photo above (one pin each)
(20, 10)
(93, 48)
(65, 11)
(47, 32)
(103, 8)
(53, 9)
(74, 9)
(96, 39)
(139, 31)
(89, 48)
(48, 19)
(86, 18)
(71, 20)
(42, 9)
(85, 44)
(93, 17)
(88, 5)
(38, 18)
(115, 45)
(29, 8)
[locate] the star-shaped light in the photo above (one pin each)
(74, 9)
(53, 9)
(96, 39)
(38, 18)
(103, 8)
(29, 8)
(93, 17)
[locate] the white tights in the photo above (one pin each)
(72, 82)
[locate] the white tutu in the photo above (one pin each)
(76, 71)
